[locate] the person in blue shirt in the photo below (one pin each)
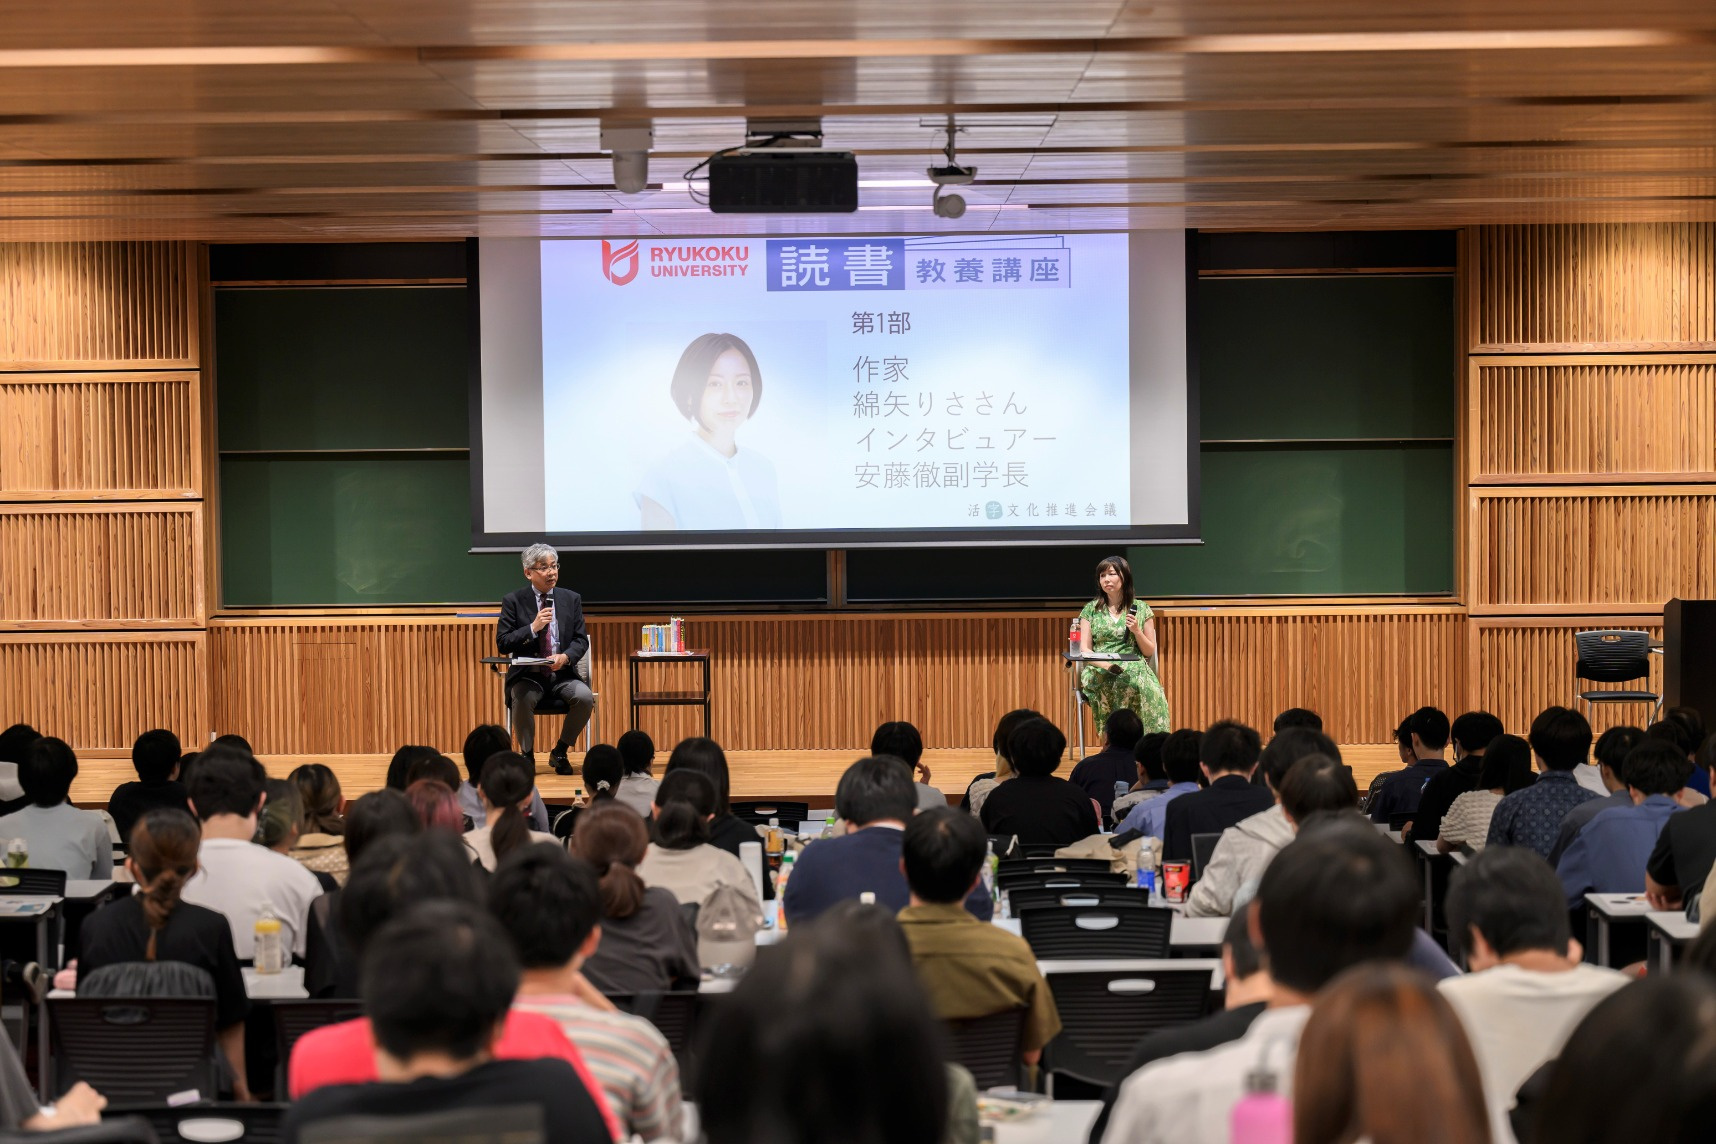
(876, 798)
(1561, 740)
(1608, 856)
(1180, 761)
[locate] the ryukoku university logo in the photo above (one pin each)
(620, 265)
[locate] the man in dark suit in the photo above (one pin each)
(1229, 755)
(544, 621)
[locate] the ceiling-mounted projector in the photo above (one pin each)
(783, 180)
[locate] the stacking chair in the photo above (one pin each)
(506, 1124)
(1014, 866)
(292, 1019)
(134, 1050)
(758, 812)
(1038, 897)
(674, 1014)
(991, 1048)
(1085, 880)
(111, 1129)
(1039, 849)
(1106, 1006)
(1613, 655)
(1082, 933)
(207, 1120)
(1203, 846)
(551, 704)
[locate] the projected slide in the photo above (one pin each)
(879, 386)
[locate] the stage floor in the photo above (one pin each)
(806, 775)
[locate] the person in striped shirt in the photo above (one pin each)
(549, 903)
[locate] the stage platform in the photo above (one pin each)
(807, 775)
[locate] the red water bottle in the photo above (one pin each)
(1074, 644)
(1263, 1115)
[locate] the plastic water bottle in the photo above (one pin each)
(269, 955)
(991, 864)
(1263, 1115)
(1147, 881)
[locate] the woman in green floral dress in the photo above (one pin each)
(1115, 622)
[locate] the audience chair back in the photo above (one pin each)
(208, 1120)
(1013, 866)
(1080, 933)
(292, 1019)
(34, 882)
(757, 812)
(1038, 849)
(148, 979)
(1088, 879)
(1203, 846)
(134, 1050)
(674, 1014)
(1613, 655)
(1039, 897)
(111, 1130)
(991, 1048)
(506, 1124)
(1106, 1006)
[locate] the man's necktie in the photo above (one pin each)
(544, 638)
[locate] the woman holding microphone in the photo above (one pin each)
(1117, 623)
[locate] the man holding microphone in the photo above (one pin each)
(544, 621)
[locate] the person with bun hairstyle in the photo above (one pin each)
(156, 925)
(708, 482)
(647, 946)
(508, 781)
(681, 860)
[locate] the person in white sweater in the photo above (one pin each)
(1246, 848)
(680, 858)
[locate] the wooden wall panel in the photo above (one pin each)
(1633, 286)
(1592, 549)
(99, 690)
(1593, 419)
(1523, 666)
(100, 565)
(88, 436)
(102, 305)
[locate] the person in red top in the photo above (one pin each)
(394, 873)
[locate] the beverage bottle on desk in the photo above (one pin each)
(773, 844)
(17, 853)
(269, 955)
(1073, 641)
(787, 860)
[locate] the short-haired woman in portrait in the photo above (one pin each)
(708, 482)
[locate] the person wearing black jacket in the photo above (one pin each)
(543, 620)
(1036, 806)
(1472, 733)
(1228, 754)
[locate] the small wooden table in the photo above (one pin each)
(668, 698)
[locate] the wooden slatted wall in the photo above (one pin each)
(101, 520)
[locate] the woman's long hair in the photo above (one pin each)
(1119, 564)
(164, 847)
(1382, 1056)
(611, 836)
(706, 757)
(319, 791)
(683, 804)
(602, 771)
(1506, 765)
(1004, 729)
(399, 767)
(506, 783)
(436, 805)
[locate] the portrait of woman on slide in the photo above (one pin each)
(1116, 623)
(709, 481)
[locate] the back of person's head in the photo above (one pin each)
(683, 803)
(508, 778)
(436, 805)
(1640, 1066)
(781, 1059)
(637, 752)
(1001, 740)
(1035, 747)
(1317, 783)
(282, 817)
(225, 782)
(1473, 730)
(379, 814)
(1507, 765)
(441, 979)
(1288, 747)
(1148, 755)
(163, 847)
(1123, 729)
(1690, 719)
(1382, 1057)
(1669, 731)
(611, 836)
(155, 754)
(1297, 717)
(1512, 898)
(1561, 737)
(436, 768)
(47, 772)
(547, 902)
(1230, 747)
(15, 741)
(1656, 766)
(484, 742)
(1180, 755)
(187, 764)
(1614, 745)
(1245, 960)
(1431, 727)
(233, 742)
(319, 791)
(398, 871)
(876, 788)
(706, 757)
(408, 756)
(899, 739)
(1337, 895)
(602, 771)
(943, 851)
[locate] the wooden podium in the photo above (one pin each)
(1689, 656)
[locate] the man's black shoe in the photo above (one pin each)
(557, 760)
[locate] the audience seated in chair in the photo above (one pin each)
(14, 744)
(437, 806)
(330, 966)
(647, 946)
(726, 831)
(1228, 753)
(155, 756)
(320, 843)
(550, 905)
(483, 743)
(1182, 770)
(59, 836)
(1097, 774)
(1611, 752)
(235, 876)
(603, 773)
(682, 861)
(1507, 768)
(638, 787)
(1035, 806)
(970, 969)
(1403, 747)
(1609, 855)
(1471, 736)
(508, 784)
(875, 799)
(902, 741)
(1151, 779)
(438, 988)
(1427, 734)
(21, 1111)
(1338, 896)
(1527, 987)
(980, 787)
(1560, 740)
(1684, 858)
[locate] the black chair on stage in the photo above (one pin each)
(1084, 933)
(1105, 1008)
(758, 811)
(1613, 655)
(134, 1050)
(1203, 846)
(551, 704)
(991, 1048)
(1038, 897)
